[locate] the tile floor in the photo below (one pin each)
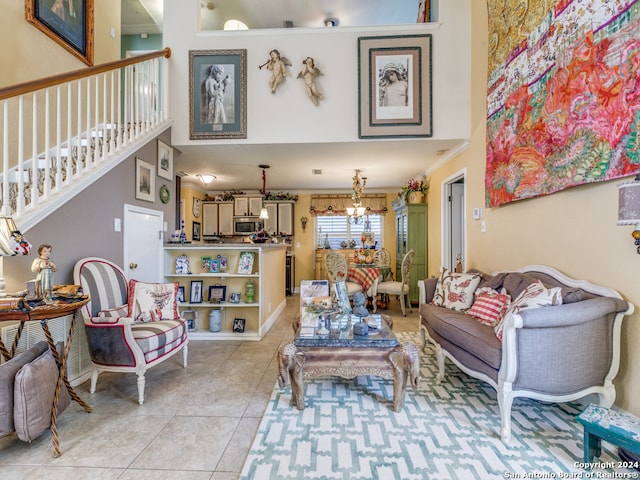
(195, 424)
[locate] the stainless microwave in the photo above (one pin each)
(246, 225)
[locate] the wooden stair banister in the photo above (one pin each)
(61, 78)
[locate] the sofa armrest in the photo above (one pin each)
(427, 288)
(572, 313)
(564, 349)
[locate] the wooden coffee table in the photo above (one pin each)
(345, 355)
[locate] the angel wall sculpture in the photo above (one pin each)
(278, 66)
(309, 74)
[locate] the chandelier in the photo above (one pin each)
(357, 211)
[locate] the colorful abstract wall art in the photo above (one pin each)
(564, 102)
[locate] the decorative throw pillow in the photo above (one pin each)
(455, 290)
(35, 385)
(8, 372)
(534, 296)
(150, 302)
(489, 306)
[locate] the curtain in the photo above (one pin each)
(338, 204)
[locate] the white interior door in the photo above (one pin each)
(454, 236)
(143, 244)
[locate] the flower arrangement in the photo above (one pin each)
(413, 185)
(363, 256)
(261, 236)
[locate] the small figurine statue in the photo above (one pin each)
(44, 268)
(358, 305)
(309, 73)
(278, 66)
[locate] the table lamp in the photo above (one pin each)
(12, 243)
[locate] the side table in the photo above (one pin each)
(60, 307)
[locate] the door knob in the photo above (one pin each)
(133, 266)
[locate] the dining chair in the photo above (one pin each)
(337, 270)
(382, 258)
(400, 289)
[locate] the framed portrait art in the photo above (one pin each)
(165, 160)
(195, 292)
(217, 94)
(68, 23)
(394, 86)
(145, 181)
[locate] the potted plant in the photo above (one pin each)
(414, 191)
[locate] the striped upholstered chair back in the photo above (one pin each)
(106, 282)
(115, 342)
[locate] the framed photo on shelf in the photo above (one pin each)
(245, 263)
(234, 297)
(191, 316)
(394, 86)
(217, 94)
(180, 296)
(215, 266)
(145, 181)
(206, 264)
(223, 263)
(195, 233)
(238, 325)
(195, 293)
(217, 293)
(165, 160)
(69, 24)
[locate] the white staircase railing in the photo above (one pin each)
(62, 132)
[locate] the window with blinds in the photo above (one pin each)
(338, 229)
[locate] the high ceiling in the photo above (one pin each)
(294, 167)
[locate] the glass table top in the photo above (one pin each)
(336, 330)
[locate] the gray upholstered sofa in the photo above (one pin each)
(555, 354)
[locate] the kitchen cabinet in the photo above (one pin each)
(247, 205)
(280, 217)
(217, 219)
(411, 233)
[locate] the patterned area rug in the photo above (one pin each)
(447, 431)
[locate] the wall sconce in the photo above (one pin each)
(629, 207)
(304, 221)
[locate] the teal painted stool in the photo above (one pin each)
(601, 423)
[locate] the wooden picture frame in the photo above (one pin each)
(217, 293)
(400, 107)
(145, 181)
(195, 231)
(245, 263)
(217, 94)
(195, 292)
(165, 160)
(70, 24)
(239, 324)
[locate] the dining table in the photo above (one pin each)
(368, 276)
